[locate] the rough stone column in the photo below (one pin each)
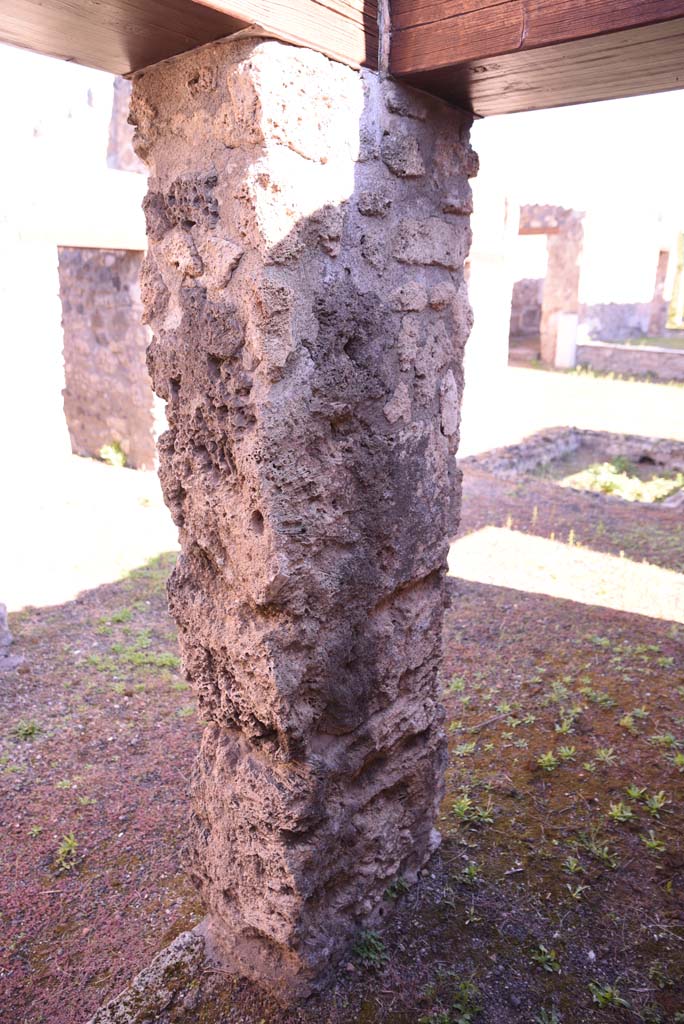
(308, 226)
(561, 286)
(565, 237)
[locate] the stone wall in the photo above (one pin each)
(616, 321)
(108, 396)
(308, 227)
(120, 153)
(526, 308)
(632, 361)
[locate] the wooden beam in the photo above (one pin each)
(442, 33)
(619, 64)
(491, 56)
(121, 36)
(502, 56)
(346, 30)
(114, 35)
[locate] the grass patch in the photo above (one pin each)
(621, 479)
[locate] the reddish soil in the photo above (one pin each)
(535, 861)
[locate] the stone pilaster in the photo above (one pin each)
(560, 294)
(308, 226)
(107, 396)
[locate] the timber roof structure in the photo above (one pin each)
(489, 56)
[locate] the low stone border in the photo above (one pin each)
(548, 445)
(663, 364)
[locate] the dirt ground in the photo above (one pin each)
(98, 738)
(558, 891)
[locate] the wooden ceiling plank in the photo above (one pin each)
(114, 35)
(617, 65)
(469, 30)
(346, 33)
(121, 36)
(457, 39)
(407, 14)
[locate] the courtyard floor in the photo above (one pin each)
(558, 891)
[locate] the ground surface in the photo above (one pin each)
(551, 878)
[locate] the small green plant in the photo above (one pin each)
(604, 700)
(26, 729)
(470, 874)
(102, 662)
(122, 615)
(664, 739)
(548, 762)
(620, 812)
(466, 1003)
(35, 831)
(465, 749)
(677, 760)
(567, 753)
(651, 842)
(113, 454)
(472, 917)
(547, 1017)
(66, 856)
(64, 784)
(396, 889)
(635, 792)
(656, 803)
(462, 806)
(652, 1014)
(457, 685)
(468, 812)
(546, 958)
(658, 975)
(576, 891)
(600, 851)
(607, 996)
(559, 691)
(370, 951)
(606, 755)
(572, 866)
(567, 721)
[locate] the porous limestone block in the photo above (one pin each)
(304, 285)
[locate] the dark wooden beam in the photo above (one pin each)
(113, 35)
(525, 54)
(125, 35)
